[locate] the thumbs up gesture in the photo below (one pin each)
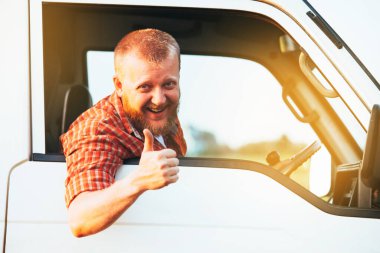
(156, 168)
(149, 140)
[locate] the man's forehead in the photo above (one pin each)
(136, 60)
(139, 55)
(136, 70)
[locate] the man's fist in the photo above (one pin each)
(157, 168)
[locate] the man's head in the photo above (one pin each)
(146, 78)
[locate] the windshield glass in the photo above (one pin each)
(362, 41)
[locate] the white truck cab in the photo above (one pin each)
(256, 77)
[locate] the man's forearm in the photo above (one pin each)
(91, 212)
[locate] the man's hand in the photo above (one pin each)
(157, 168)
(93, 211)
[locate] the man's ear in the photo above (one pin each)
(118, 86)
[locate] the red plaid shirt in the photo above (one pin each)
(97, 143)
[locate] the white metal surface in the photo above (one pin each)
(37, 77)
(14, 95)
(207, 210)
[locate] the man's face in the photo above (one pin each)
(149, 91)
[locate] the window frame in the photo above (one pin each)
(259, 8)
(274, 13)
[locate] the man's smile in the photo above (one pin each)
(157, 112)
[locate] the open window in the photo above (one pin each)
(245, 92)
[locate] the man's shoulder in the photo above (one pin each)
(102, 126)
(103, 116)
(102, 113)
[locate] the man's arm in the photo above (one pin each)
(93, 211)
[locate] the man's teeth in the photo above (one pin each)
(155, 110)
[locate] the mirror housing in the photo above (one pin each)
(370, 172)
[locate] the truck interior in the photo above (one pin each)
(71, 30)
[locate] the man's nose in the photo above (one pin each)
(158, 97)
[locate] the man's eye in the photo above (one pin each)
(144, 87)
(170, 85)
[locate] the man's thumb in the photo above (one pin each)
(149, 140)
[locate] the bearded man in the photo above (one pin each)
(138, 120)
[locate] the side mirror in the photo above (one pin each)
(370, 172)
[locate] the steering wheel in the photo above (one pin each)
(289, 165)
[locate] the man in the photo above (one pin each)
(138, 120)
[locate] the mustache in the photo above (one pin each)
(153, 106)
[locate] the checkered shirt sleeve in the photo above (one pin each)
(95, 147)
(97, 143)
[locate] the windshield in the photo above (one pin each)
(363, 42)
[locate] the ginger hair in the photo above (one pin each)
(151, 44)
